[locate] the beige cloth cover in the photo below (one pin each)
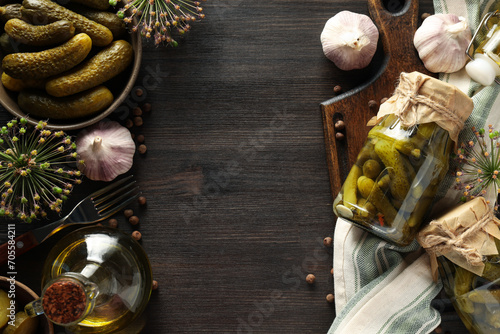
(464, 236)
(420, 99)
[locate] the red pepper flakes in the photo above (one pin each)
(64, 302)
(381, 219)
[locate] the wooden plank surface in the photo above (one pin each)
(235, 174)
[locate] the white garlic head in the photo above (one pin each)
(441, 42)
(349, 40)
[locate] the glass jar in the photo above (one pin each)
(391, 186)
(394, 180)
(476, 298)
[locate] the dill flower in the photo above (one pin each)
(479, 165)
(159, 19)
(35, 170)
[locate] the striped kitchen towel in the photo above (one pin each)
(381, 288)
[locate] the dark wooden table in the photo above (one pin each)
(235, 174)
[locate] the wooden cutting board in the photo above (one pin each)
(396, 36)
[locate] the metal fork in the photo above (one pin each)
(92, 209)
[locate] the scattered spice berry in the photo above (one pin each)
(339, 125)
(155, 285)
(113, 223)
(146, 107)
(140, 138)
(137, 111)
(136, 235)
(129, 123)
(339, 136)
(310, 279)
(139, 92)
(330, 298)
(134, 220)
(331, 271)
(138, 121)
(128, 213)
(337, 89)
(64, 302)
(372, 104)
(425, 15)
(142, 200)
(383, 100)
(328, 241)
(142, 149)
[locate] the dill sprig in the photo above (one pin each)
(479, 165)
(159, 19)
(36, 169)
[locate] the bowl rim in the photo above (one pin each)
(136, 65)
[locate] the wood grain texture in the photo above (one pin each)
(235, 176)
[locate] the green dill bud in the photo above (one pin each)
(120, 15)
(57, 190)
(113, 2)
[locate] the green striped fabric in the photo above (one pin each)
(384, 289)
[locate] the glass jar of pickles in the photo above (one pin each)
(391, 187)
(464, 250)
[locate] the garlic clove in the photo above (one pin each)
(349, 40)
(441, 42)
(107, 149)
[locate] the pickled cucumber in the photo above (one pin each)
(396, 168)
(108, 19)
(46, 11)
(43, 64)
(485, 296)
(371, 191)
(10, 11)
(105, 65)
(79, 105)
(350, 190)
(371, 168)
(50, 34)
(97, 4)
(462, 285)
(17, 85)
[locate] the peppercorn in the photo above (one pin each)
(113, 223)
(372, 104)
(339, 125)
(328, 241)
(155, 285)
(138, 121)
(337, 89)
(129, 123)
(128, 213)
(330, 298)
(146, 107)
(137, 111)
(383, 100)
(139, 92)
(140, 138)
(142, 149)
(134, 220)
(339, 136)
(142, 200)
(310, 279)
(136, 235)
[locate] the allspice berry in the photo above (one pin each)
(372, 104)
(137, 111)
(136, 235)
(337, 89)
(134, 220)
(142, 149)
(113, 223)
(142, 200)
(330, 298)
(425, 15)
(339, 125)
(328, 241)
(154, 285)
(310, 279)
(383, 100)
(140, 138)
(129, 123)
(128, 213)
(331, 271)
(339, 136)
(146, 107)
(138, 121)
(139, 92)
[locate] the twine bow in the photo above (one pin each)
(408, 92)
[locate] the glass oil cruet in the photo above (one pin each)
(95, 280)
(484, 66)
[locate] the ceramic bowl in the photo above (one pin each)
(120, 86)
(24, 295)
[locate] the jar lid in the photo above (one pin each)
(420, 99)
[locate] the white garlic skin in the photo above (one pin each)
(441, 42)
(349, 40)
(107, 149)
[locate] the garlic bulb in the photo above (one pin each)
(441, 42)
(107, 149)
(349, 40)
